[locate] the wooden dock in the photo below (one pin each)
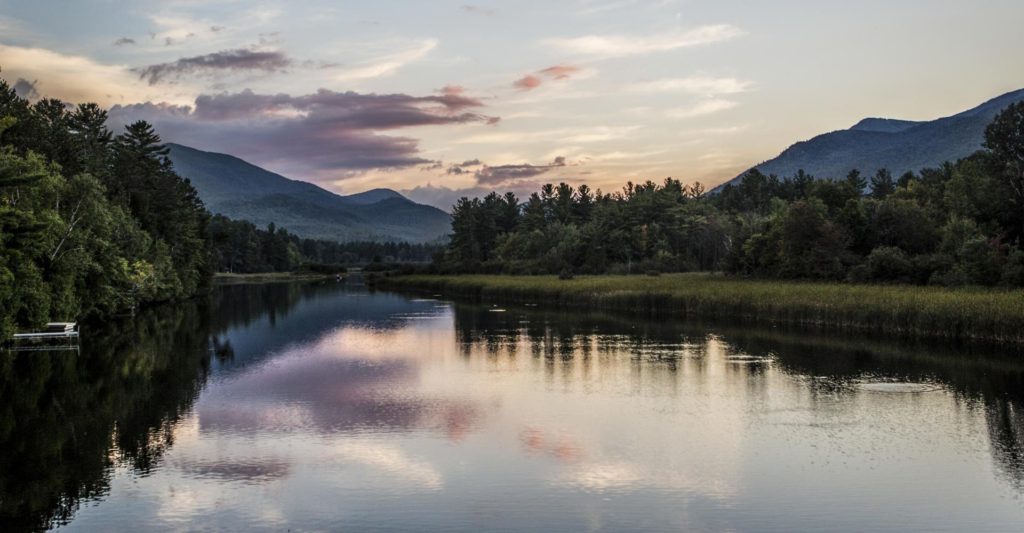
(29, 341)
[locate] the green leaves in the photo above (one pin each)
(89, 225)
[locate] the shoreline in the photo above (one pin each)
(225, 278)
(960, 314)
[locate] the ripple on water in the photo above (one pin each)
(898, 387)
(748, 359)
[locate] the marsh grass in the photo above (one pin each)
(954, 313)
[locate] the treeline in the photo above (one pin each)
(960, 224)
(240, 247)
(93, 223)
(90, 222)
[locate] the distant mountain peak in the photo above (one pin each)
(884, 125)
(373, 196)
(897, 145)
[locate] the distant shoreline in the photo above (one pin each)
(226, 278)
(963, 314)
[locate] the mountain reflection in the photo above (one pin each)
(250, 385)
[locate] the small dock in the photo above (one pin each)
(41, 340)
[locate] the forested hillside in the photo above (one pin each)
(961, 223)
(90, 222)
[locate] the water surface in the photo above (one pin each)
(327, 407)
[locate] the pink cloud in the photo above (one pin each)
(527, 83)
(556, 72)
(323, 133)
(560, 72)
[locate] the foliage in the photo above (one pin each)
(959, 224)
(240, 247)
(90, 223)
(644, 227)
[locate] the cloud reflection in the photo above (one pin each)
(331, 386)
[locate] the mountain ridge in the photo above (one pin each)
(897, 145)
(235, 188)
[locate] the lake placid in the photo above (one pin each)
(327, 407)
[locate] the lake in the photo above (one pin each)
(326, 406)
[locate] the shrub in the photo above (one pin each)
(1013, 270)
(888, 263)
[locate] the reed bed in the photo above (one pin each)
(953, 313)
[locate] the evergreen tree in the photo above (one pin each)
(856, 181)
(882, 184)
(1004, 138)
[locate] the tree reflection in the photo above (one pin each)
(990, 377)
(67, 419)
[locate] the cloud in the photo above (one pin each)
(500, 174)
(123, 41)
(560, 72)
(226, 60)
(556, 72)
(323, 135)
(388, 64)
(516, 178)
(463, 167)
(608, 46)
(527, 83)
(444, 198)
(707, 107)
(581, 135)
(177, 26)
(350, 110)
(76, 78)
(705, 85)
(26, 89)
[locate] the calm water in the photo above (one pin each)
(326, 407)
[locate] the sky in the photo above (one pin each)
(444, 99)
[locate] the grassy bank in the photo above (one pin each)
(224, 278)
(962, 314)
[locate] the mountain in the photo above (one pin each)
(898, 145)
(240, 190)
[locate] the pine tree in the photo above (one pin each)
(882, 184)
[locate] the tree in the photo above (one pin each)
(810, 245)
(93, 139)
(882, 184)
(23, 295)
(143, 183)
(856, 181)
(55, 139)
(1004, 137)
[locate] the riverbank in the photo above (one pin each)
(224, 278)
(958, 314)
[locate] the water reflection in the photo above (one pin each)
(323, 406)
(68, 419)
